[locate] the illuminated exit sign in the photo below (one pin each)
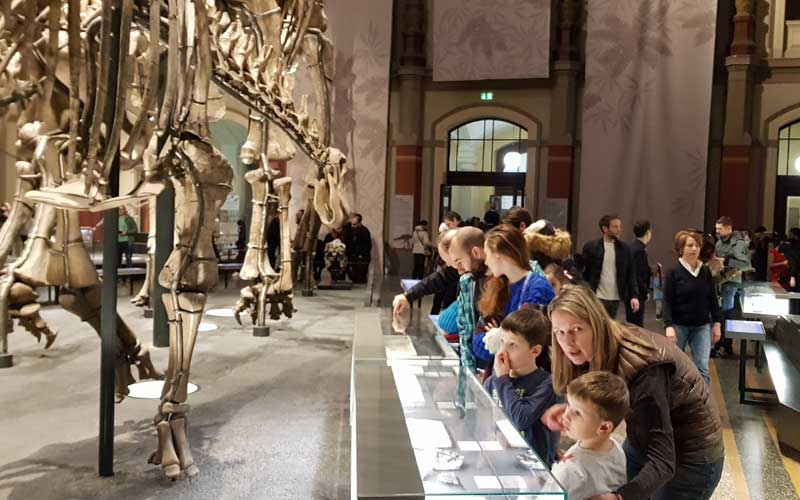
(487, 96)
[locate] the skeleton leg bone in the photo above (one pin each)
(85, 303)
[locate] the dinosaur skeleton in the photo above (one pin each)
(54, 253)
(253, 49)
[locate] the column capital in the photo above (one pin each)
(405, 72)
(741, 62)
(745, 7)
(568, 13)
(413, 34)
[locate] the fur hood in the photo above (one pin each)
(557, 246)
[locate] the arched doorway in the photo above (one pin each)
(787, 178)
(228, 135)
(487, 161)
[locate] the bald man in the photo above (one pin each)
(468, 255)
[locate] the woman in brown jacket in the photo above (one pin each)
(674, 444)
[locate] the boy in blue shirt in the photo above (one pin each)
(519, 386)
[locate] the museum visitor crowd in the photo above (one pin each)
(538, 325)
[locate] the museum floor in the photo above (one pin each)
(270, 420)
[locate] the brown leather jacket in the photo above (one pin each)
(696, 425)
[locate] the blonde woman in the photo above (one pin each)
(674, 444)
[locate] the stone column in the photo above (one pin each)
(560, 179)
(740, 181)
(410, 75)
(405, 140)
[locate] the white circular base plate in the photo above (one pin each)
(220, 313)
(151, 389)
(207, 327)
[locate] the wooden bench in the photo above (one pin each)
(783, 360)
(129, 273)
(228, 268)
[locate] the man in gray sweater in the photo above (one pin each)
(732, 248)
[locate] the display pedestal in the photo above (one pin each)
(260, 331)
(6, 360)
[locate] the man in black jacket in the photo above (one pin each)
(638, 249)
(609, 267)
(444, 281)
(358, 242)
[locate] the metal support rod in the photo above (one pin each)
(108, 331)
(108, 312)
(165, 229)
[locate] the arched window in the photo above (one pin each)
(789, 149)
(488, 145)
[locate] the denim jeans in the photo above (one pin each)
(729, 291)
(699, 340)
(690, 482)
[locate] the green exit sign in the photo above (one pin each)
(487, 96)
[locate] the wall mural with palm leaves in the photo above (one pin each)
(491, 39)
(646, 113)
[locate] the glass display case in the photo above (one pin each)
(462, 441)
(765, 301)
(423, 430)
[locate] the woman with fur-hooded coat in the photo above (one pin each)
(549, 245)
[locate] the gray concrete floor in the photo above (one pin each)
(271, 420)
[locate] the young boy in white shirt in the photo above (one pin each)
(595, 464)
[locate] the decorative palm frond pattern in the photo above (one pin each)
(491, 39)
(361, 102)
(645, 114)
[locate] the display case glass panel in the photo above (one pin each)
(463, 444)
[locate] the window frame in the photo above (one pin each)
(493, 168)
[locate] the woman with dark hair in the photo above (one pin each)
(513, 284)
(674, 447)
(517, 217)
